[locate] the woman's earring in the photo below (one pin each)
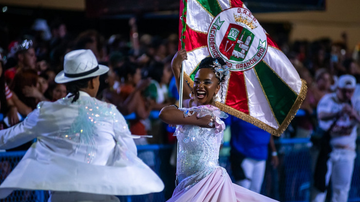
(191, 96)
(217, 98)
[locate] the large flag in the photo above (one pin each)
(263, 87)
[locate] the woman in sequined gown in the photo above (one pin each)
(199, 132)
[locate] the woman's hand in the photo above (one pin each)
(143, 84)
(179, 57)
(32, 91)
(13, 116)
(274, 161)
(207, 121)
(176, 63)
(149, 103)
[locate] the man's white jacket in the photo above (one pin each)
(84, 146)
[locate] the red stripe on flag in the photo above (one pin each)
(271, 42)
(237, 94)
(194, 39)
(236, 3)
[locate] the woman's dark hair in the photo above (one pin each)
(156, 71)
(25, 77)
(75, 86)
(124, 70)
(44, 75)
(209, 63)
(320, 73)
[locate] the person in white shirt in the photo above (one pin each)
(84, 149)
(339, 113)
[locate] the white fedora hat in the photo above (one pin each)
(80, 64)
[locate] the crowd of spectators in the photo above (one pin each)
(140, 68)
(137, 83)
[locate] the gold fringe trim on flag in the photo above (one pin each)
(276, 132)
(241, 115)
(245, 117)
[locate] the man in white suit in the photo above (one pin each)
(84, 149)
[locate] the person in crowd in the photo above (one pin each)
(338, 115)
(57, 56)
(323, 81)
(24, 88)
(50, 74)
(92, 40)
(58, 32)
(305, 124)
(39, 92)
(172, 44)
(249, 152)
(158, 91)
(338, 55)
(116, 60)
(352, 67)
(199, 132)
(58, 92)
(26, 58)
(42, 66)
(26, 96)
(7, 106)
(43, 83)
(112, 93)
(82, 143)
(131, 77)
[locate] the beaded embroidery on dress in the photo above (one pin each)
(199, 175)
(198, 147)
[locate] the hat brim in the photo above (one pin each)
(61, 78)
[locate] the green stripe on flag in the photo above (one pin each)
(280, 96)
(192, 75)
(211, 6)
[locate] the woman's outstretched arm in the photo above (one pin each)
(173, 116)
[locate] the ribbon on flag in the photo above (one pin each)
(263, 87)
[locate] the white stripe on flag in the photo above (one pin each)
(225, 4)
(282, 66)
(197, 18)
(194, 58)
(258, 105)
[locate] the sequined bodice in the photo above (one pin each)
(198, 149)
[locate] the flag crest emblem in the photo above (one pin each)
(236, 36)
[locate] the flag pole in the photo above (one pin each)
(181, 83)
(182, 37)
(181, 86)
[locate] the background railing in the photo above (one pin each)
(289, 182)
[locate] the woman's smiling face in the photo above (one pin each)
(206, 86)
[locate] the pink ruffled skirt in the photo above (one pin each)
(217, 187)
